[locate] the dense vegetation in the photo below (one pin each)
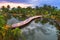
(48, 10)
(6, 33)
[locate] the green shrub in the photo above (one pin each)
(8, 33)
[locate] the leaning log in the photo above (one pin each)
(22, 23)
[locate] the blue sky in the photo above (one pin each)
(36, 2)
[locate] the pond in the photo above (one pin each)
(40, 29)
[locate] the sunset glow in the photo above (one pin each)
(14, 4)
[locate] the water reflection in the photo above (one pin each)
(39, 31)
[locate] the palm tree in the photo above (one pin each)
(8, 6)
(3, 9)
(18, 9)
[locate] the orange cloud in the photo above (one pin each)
(15, 4)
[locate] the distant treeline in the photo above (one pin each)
(24, 13)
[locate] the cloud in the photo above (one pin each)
(16, 1)
(23, 5)
(33, 1)
(48, 2)
(36, 2)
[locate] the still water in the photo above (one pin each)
(39, 31)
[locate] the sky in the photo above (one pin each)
(32, 3)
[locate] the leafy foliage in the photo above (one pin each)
(6, 33)
(47, 11)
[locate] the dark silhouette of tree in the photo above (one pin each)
(8, 6)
